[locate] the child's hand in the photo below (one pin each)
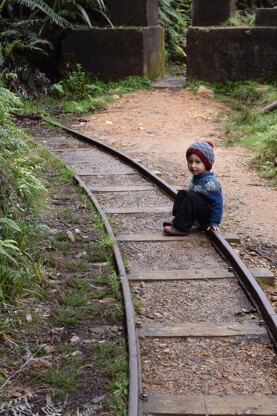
(214, 228)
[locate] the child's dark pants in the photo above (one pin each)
(190, 207)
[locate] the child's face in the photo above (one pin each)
(195, 165)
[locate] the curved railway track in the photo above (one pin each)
(202, 341)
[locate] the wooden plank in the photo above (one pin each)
(163, 404)
(78, 149)
(53, 147)
(57, 140)
(180, 274)
(201, 329)
(107, 175)
(138, 210)
(79, 162)
(245, 405)
(164, 237)
(231, 238)
(223, 405)
(129, 188)
(263, 274)
(160, 237)
(91, 172)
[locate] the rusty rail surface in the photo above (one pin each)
(247, 281)
(129, 311)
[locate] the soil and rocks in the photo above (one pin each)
(216, 366)
(156, 127)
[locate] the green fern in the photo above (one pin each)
(9, 101)
(47, 10)
(6, 245)
(174, 17)
(12, 281)
(10, 224)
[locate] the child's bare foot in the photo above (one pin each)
(170, 229)
(165, 223)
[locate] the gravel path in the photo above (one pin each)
(211, 365)
(156, 127)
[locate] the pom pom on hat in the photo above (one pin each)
(204, 150)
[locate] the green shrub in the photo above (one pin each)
(246, 93)
(21, 193)
(268, 152)
(77, 86)
(174, 16)
(249, 125)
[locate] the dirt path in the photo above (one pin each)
(157, 126)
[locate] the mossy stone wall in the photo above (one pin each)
(211, 12)
(231, 53)
(113, 54)
(135, 13)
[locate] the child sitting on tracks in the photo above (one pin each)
(202, 203)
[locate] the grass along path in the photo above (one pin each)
(63, 341)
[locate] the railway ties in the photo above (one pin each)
(189, 343)
(202, 346)
(167, 338)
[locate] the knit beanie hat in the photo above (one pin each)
(204, 150)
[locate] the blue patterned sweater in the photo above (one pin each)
(208, 185)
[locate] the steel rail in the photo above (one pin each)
(248, 282)
(169, 190)
(133, 345)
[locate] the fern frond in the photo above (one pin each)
(106, 17)
(8, 34)
(10, 223)
(8, 245)
(100, 5)
(35, 42)
(11, 280)
(41, 5)
(84, 15)
(8, 100)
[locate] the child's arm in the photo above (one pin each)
(216, 200)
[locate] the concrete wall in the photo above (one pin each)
(112, 54)
(266, 17)
(135, 13)
(231, 53)
(211, 12)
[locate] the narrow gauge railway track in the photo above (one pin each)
(202, 341)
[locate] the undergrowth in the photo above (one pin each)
(248, 126)
(174, 16)
(46, 289)
(241, 18)
(22, 193)
(80, 93)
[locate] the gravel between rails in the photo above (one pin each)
(193, 301)
(170, 255)
(244, 365)
(209, 366)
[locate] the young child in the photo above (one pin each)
(202, 203)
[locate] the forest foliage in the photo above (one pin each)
(21, 192)
(28, 32)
